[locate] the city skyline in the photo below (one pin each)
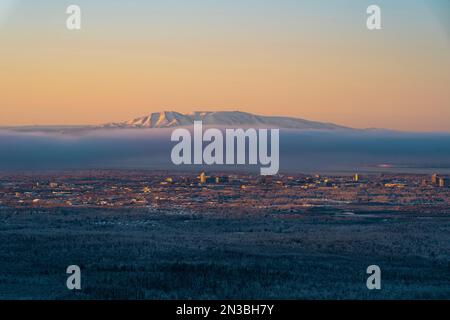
(293, 58)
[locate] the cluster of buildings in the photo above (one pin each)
(440, 180)
(227, 193)
(212, 179)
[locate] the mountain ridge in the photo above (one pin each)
(172, 119)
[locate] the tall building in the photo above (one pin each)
(356, 178)
(203, 177)
(434, 178)
(443, 182)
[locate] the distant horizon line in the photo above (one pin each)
(102, 126)
(105, 124)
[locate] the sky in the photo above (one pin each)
(308, 59)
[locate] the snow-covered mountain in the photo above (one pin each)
(170, 119)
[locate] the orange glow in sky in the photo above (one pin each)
(313, 63)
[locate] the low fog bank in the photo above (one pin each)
(300, 151)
